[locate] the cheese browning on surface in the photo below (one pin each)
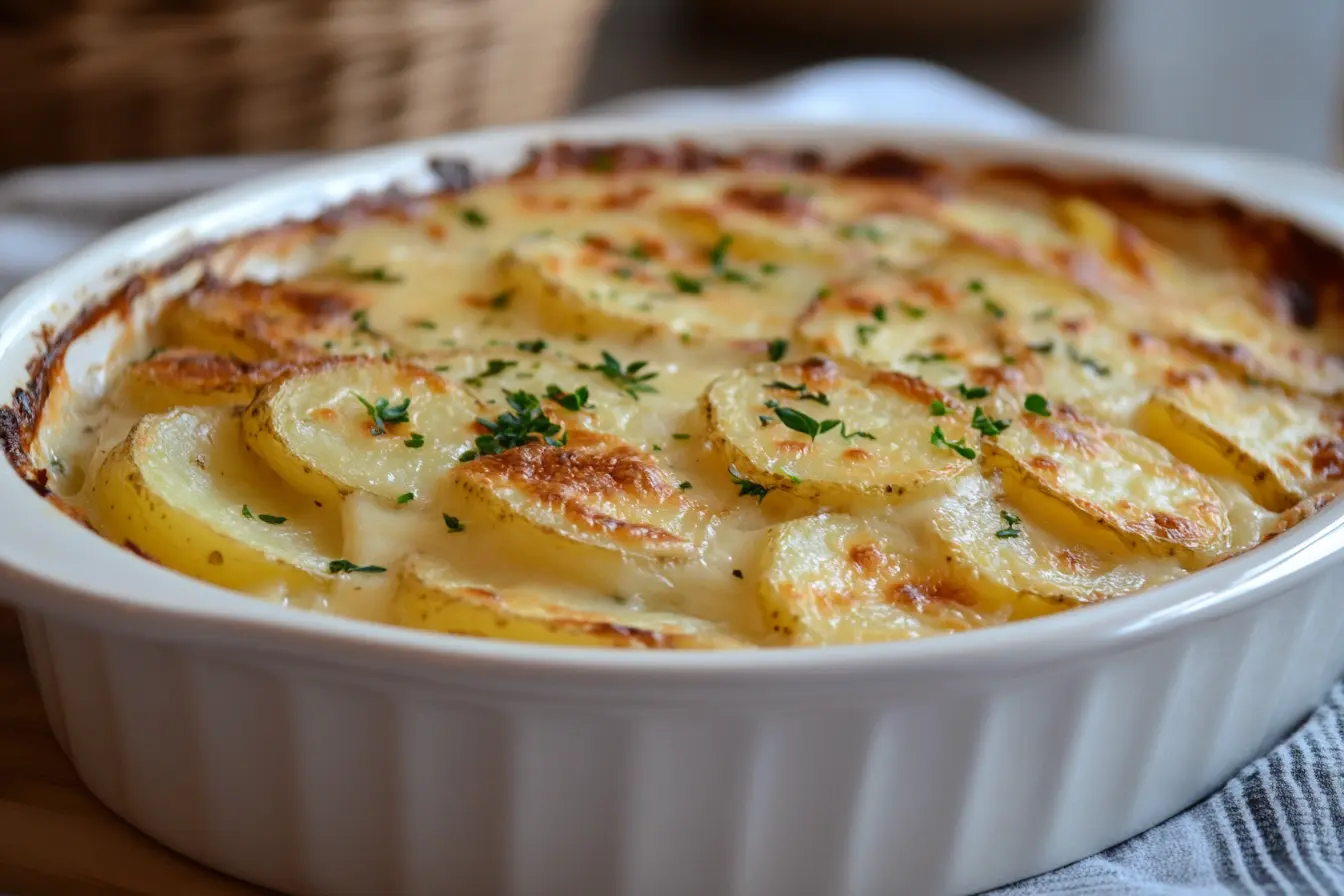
(629, 400)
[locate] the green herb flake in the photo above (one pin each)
(500, 300)
(684, 484)
(1043, 314)
(864, 332)
(869, 232)
(880, 314)
(426, 325)
(929, 358)
(453, 523)
(769, 268)
(415, 441)
(1010, 529)
(986, 424)
(493, 367)
(972, 393)
(1042, 348)
(526, 422)
(718, 254)
(995, 310)
(631, 379)
(346, 269)
(975, 286)
(343, 566)
(474, 217)
(684, 284)
(406, 498)
(811, 427)
(937, 408)
(264, 517)
(914, 312)
(937, 439)
(777, 349)
(804, 394)
(681, 436)
(535, 346)
(1091, 364)
(747, 488)
(1037, 404)
(361, 319)
(570, 401)
(384, 414)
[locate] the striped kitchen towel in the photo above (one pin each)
(1277, 827)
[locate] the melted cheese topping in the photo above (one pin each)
(723, 409)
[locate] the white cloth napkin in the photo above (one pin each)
(1277, 827)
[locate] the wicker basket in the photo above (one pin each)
(119, 79)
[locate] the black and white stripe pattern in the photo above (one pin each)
(1276, 828)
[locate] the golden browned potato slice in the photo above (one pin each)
(835, 579)
(183, 490)
(432, 596)
(594, 500)
(188, 378)
(1125, 484)
(595, 286)
(361, 425)
(879, 436)
(1280, 447)
(252, 321)
(1015, 563)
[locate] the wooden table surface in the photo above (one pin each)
(55, 837)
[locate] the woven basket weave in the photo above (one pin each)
(120, 79)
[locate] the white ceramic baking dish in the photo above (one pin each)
(322, 755)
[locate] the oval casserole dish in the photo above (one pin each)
(312, 753)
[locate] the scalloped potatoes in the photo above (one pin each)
(749, 402)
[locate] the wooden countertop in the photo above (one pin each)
(55, 838)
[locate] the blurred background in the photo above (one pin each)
(95, 80)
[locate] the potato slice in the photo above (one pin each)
(1240, 341)
(252, 321)
(1279, 447)
(597, 492)
(1127, 485)
(883, 447)
(314, 427)
(175, 491)
(432, 596)
(595, 287)
(1015, 563)
(836, 579)
(188, 378)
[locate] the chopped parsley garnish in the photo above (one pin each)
(986, 424)
(769, 268)
(639, 252)
(453, 523)
(766, 419)
(154, 353)
(685, 284)
(995, 310)
(868, 232)
(971, 393)
(801, 388)
(914, 312)
(976, 286)
(426, 325)
(347, 270)
(937, 408)
(823, 292)
(1091, 364)
(939, 440)
(811, 427)
(681, 436)
(263, 517)
(415, 441)
(535, 346)
(925, 359)
(406, 498)
(684, 484)
(361, 319)
(570, 401)
(493, 367)
(733, 275)
(623, 273)
(880, 314)
(776, 349)
(474, 217)
(864, 332)
(630, 379)
(1011, 521)
(384, 414)
(1043, 348)
(526, 423)
(339, 566)
(500, 300)
(747, 488)
(389, 354)
(718, 255)
(1037, 404)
